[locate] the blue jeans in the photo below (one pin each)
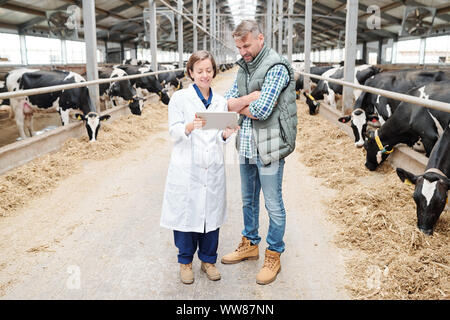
(188, 242)
(254, 176)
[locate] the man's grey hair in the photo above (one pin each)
(245, 27)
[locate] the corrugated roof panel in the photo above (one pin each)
(109, 4)
(131, 12)
(110, 21)
(40, 4)
(14, 17)
(380, 3)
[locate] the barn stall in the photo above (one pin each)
(380, 253)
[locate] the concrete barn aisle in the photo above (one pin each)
(97, 236)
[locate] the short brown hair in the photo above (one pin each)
(200, 56)
(245, 27)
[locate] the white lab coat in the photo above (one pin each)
(195, 192)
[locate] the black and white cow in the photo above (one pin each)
(330, 89)
(149, 83)
(135, 62)
(374, 107)
(3, 88)
(408, 124)
(4, 103)
(119, 90)
(321, 90)
(431, 190)
(62, 101)
(313, 70)
(172, 79)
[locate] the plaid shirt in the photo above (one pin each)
(276, 79)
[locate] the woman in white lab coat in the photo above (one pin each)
(194, 203)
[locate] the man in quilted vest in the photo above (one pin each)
(264, 96)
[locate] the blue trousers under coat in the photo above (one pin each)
(188, 242)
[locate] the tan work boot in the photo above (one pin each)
(270, 269)
(186, 273)
(245, 251)
(211, 271)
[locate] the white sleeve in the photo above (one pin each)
(177, 123)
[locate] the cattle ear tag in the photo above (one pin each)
(78, 117)
(407, 182)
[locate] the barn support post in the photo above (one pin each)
(90, 37)
(274, 20)
(63, 51)
(423, 42)
(307, 45)
(212, 24)
(215, 27)
(268, 34)
(106, 51)
(180, 34)
(204, 25)
(218, 49)
(152, 36)
(351, 25)
(364, 51)
(23, 49)
(289, 39)
(280, 26)
(380, 51)
(194, 26)
(122, 51)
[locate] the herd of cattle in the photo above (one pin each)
(380, 123)
(78, 99)
(131, 92)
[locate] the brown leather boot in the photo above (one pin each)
(186, 273)
(270, 269)
(245, 251)
(211, 271)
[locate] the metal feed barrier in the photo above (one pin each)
(20, 152)
(403, 156)
(433, 104)
(32, 92)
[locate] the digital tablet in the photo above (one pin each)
(218, 120)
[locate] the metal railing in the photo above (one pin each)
(32, 92)
(433, 104)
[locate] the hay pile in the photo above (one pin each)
(20, 185)
(392, 259)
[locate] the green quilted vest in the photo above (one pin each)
(275, 136)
